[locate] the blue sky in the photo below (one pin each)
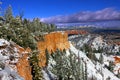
(55, 11)
(47, 8)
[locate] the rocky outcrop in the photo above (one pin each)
(16, 57)
(23, 66)
(52, 41)
(117, 59)
(76, 32)
(14, 60)
(116, 69)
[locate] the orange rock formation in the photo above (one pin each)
(23, 66)
(117, 60)
(76, 32)
(52, 41)
(21, 63)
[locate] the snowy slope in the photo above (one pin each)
(98, 43)
(83, 41)
(117, 68)
(97, 71)
(8, 59)
(94, 70)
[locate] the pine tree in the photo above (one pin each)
(67, 67)
(86, 71)
(36, 69)
(23, 32)
(101, 58)
(101, 61)
(111, 65)
(83, 73)
(47, 56)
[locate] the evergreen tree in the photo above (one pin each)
(86, 71)
(52, 27)
(83, 73)
(47, 56)
(111, 66)
(36, 69)
(24, 33)
(67, 67)
(101, 58)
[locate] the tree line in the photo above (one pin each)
(25, 33)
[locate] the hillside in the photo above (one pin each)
(90, 68)
(52, 40)
(14, 64)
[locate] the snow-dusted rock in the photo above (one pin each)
(92, 69)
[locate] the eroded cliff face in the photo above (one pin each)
(23, 66)
(16, 59)
(52, 42)
(76, 32)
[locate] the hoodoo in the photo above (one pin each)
(52, 42)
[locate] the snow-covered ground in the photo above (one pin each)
(98, 43)
(81, 42)
(94, 70)
(98, 71)
(8, 58)
(8, 69)
(117, 68)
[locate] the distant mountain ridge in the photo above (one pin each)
(100, 24)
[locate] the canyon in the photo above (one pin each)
(18, 57)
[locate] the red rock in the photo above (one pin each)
(117, 59)
(52, 42)
(76, 32)
(23, 66)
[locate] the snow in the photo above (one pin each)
(99, 71)
(117, 68)
(83, 41)
(8, 74)
(116, 49)
(94, 69)
(98, 43)
(106, 59)
(3, 42)
(73, 36)
(8, 70)
(97, 55)
(107, 74)
(90, 65)
(45, 75)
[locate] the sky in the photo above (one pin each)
(66, 11)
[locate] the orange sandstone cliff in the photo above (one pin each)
(52, 41)
(23, 66)
(17, 58)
